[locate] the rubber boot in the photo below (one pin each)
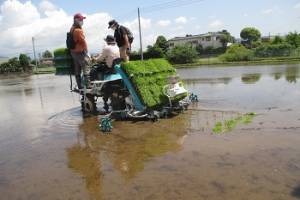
(78, 81)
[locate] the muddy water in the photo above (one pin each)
(48, 151)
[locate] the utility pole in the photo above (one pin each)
(141, 45)
(34, 54)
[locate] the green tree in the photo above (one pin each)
(293, 38)
(199, 49)
(225, 38)
(250, 35)
(182, 54)
(154, 52)
(47, 54)
(24, 61)
(277, 40)
(162, 43)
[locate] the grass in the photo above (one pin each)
(229, 125)
(45, 70)
(256, 61)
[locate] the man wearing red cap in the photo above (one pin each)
(79, 51)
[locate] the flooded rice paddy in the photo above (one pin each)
(49, 151)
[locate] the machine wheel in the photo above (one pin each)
(89, 104)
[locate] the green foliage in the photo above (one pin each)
(161, 42)
(149, 77)
(225, 38)
(271, 50)
(155, 52)
(47, 54)
(237, 52)
(24, 61)
(218, 128)
(61, 52)
(62, 61)
(293, 38)
(277, 40)
(213, 51)
(158, 50)
(256, 44)
(250, 34)
(199, 49)
(12, 65)
(230, 124)
(182, 54)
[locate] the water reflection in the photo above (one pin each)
(250, 78)
(292, 74)
(127, 149)
(248, 75)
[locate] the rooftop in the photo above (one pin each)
(195, 36)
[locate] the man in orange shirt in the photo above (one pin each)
(79, 52)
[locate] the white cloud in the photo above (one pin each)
(147, 35)
(48, 24)
(22, 21)
(297, 6)
(181, 20)
(268, 11)
(163, 23)
(14, 13)
(216, 24)
(245, 15)
(198, 27)
(46, 6)
(273, 10)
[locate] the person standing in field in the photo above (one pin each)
(124, 38)
(77, 45)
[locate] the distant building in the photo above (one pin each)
(211, 39)
(47, 61)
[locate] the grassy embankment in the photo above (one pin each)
(256, 61)
(44, 70)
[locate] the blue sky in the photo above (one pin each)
(269, 16)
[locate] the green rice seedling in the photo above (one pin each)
(218, 128)
(248, 117)
(149, 77)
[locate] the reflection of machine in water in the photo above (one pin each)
(127, 150)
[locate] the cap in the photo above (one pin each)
(79, 16)
(111, 23)
(110, 39)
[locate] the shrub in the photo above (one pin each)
(182, 54)
(13, 65)
(271, 50)
(237, 52)
(154, 52)
(25, 62)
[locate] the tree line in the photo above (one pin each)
(23, 63)
(252, 46)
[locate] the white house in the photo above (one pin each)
(211, 39)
